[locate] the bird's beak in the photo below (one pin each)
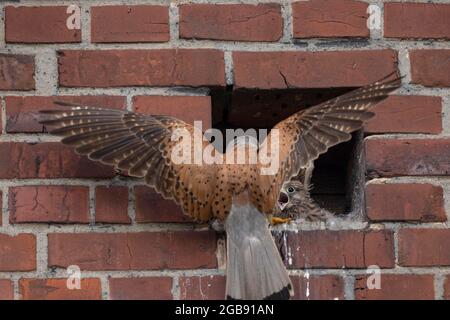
(282, 200)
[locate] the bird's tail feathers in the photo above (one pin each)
(255, 270)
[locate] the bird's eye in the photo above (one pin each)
(290, 189)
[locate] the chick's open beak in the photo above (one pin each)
(282, 200)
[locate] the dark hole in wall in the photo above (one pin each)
(336, 175)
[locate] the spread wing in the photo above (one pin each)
(142, 145)
(309, 133)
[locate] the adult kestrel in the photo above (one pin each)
(239, 194)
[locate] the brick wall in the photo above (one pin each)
(59, 209)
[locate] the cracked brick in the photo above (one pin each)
(331, 69)
(22, 112)
(17, 72)
(133, 251)
(137, 23)
(237, 22)
(49, 204)
(396, 287)
(330, 19)
(56, 289)
(158, 67)
(21, 160)
(407, 114)
(340, 249)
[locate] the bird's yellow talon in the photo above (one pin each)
(276, 220)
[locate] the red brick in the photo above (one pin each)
(447, 288)
(405, 202)
(239, 22)
(61, 204)
(56, 289)
(318, 287)
(397, 287)
(22, 112)
(414, 157)
(407, 114)
(165, 67)
(424, 247)
(6, 289)
(330, 19)
(45, 24)
(430, 67)
(417, 20)
(202, 288)
(17, 72)
(186, 108)
(1, 205)
(133, 251)
(145, 288)
(111, 205)
(47, 160)
(152, 207)
(139, 23)
(340, 249)
(294, 69)
(17, 253)
(326, 287)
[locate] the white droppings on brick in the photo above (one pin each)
(307, 276)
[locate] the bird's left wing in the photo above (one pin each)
(309, 133)
(143, 145)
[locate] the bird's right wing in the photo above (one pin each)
(143, 145)
(309, 133)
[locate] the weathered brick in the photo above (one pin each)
(133, 251)
(17, 72)
(6, 289)
(111, 205)
(407, 114)
(138, 23)
(318, 287)
(145, 288)
(396, 287)
(330, 19)
(293, 69)
(430, 67)
(202, 288)
(238, 22)
(165, 67)
(47, 160)
(17, 253)
(424, 247)
(414, 157)
(152, 207)
(405, 202)
(447, 288)
(22, 112)
(186, 108)
(340, 249)
(56, 289)
(417, 20)
(61, 204)
(45, 24)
